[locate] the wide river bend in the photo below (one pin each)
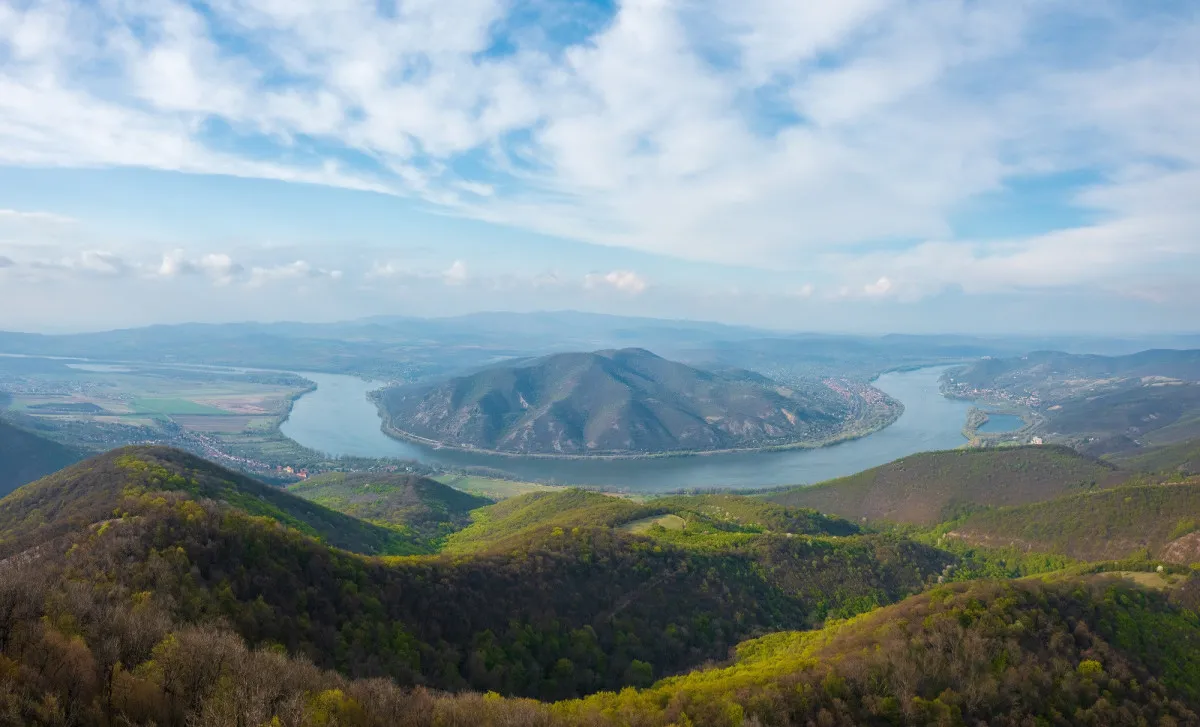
(338, 419)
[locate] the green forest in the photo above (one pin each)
(147, 586)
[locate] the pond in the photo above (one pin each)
(1001, 423)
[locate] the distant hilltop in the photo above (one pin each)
(615, 402)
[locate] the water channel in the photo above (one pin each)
(338, 419)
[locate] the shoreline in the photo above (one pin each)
(390, 430)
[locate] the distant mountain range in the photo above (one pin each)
(1056, 373)
(420, 349)
(626, 401)
(1100, 404)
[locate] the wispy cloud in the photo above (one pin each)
(456, 274)
(219, 267)
(296, 270)
(33, 217)
(791, 136)
(625, 281)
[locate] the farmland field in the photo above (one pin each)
(210, 411)
(207, 423)
(173, 406)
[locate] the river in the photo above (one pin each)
(338, 419)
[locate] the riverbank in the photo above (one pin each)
(979, 417)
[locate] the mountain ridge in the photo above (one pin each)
(25, 456)
(616, 402)
(927, 487)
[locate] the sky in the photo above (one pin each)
(986, 166)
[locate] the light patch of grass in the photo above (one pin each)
(668, 521)
(494, 488)
(1154, 581)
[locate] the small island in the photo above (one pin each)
(628, 403)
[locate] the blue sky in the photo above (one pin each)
(865, 165)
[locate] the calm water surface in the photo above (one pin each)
(1000, 423)
(338, 419)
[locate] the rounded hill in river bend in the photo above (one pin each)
(626, 402)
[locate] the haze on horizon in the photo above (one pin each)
(862, 166)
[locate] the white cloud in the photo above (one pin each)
(218, 267)
(625, 281)
(33, 217)
(770, 133)
(296, 270)
(878, 289)
(804, 291)
(90, 262)
(456, 274)
(6, 262)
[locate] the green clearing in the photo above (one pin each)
(669, 521)
(174, 406)
(496, 489)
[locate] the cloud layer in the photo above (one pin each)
(843, 141)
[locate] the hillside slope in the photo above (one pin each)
(1181, 457)
(1098, 404)
(24, 457)
(927, 488)
(570, 508)
(1098, 652)
(611, 402)
(93, 490)
(147, 594)
(1161, 520)
(1053, 373)
(421, 505)
(549, 611)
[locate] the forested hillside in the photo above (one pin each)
(1055, 374)
(1162, 521)
(1180, 458)
(1098, 404)
(103, 487)
(24, 457)
(930, 487)
(546, 606)
(149, 586)
(415, 504)
(626, 401)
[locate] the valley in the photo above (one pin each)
(588, 363)
(577, 607)
(298, 565)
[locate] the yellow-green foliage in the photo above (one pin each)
(92, 490)
(926, 488)
(1105, 525)
(1024, 652)
(564, 508)
(492, 487)
(409, 503)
